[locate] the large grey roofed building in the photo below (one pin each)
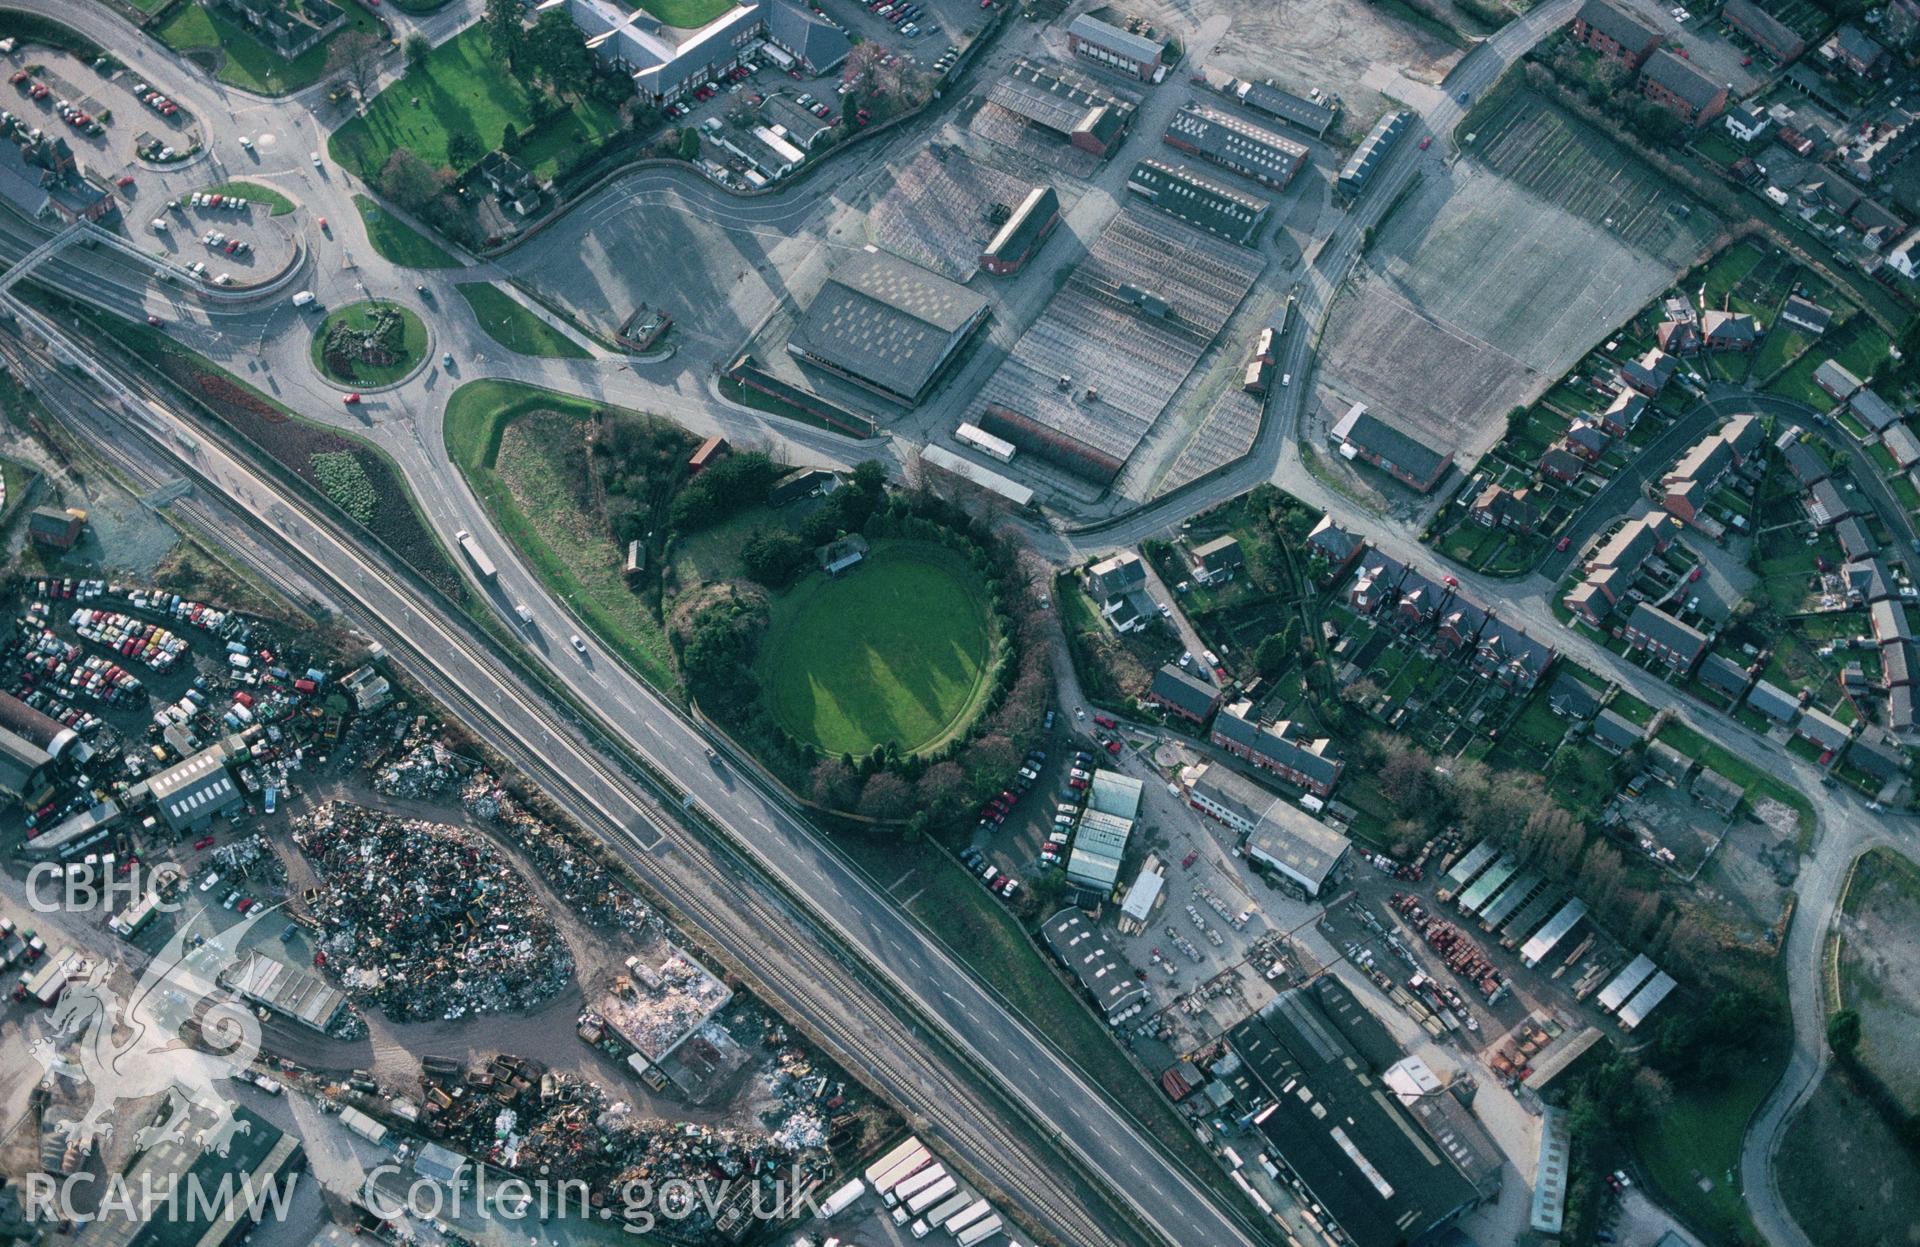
(1683, 81)
(886, 324)
(1391, 448)
(1250, 150)
(1297, 844)
(1373, 151)
(191, 794)
(665, 61)
(1087, 951)
(1287, 107)
(1352, 1146)
(1093, 30)
(1632, 34)
(1188, 694)
(1086, 115)
(1198, 200)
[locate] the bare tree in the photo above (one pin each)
(355, 56)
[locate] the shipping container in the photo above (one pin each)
(938, 1214)
(914, 1183)
(931, 1196)
(960, 1221)
(893, 1157)
(841, 1199)
(986, 443)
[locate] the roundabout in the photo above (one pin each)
(370, 344)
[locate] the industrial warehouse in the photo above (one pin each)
(887, 325)
(1308, 1085)
(1236, 144)
(1213, 206)
(1061, 105)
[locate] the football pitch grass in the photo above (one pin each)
(893, 650)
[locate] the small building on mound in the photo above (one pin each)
(842, 555)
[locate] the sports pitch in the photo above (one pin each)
(895, 649)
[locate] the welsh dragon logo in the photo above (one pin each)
(178, 1034)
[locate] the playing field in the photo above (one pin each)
(893, 650)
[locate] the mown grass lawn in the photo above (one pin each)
(1782, 344)
(1728, 269)
(246, 62)
(893, 650)
(572, 552)
(1797, 382)
(462, 88)
(399, 242)
(254, 193)
(1859, 346)
(686, 14)
(1699, 1138)
(513, 326)
(359, 316)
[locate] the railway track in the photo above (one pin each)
(740, 918)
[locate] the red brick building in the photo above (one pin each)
(1681, 89)
(1615, 33)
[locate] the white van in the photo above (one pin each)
(303, 298)
(159, 225)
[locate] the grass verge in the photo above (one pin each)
(253, 192)
(399, 242)
(1698, 1140)
(514, 327)
(244, 60)
(359, 317)
(585, 572)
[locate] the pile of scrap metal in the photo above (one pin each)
(422, 920)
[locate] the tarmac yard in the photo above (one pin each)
(1501, 273)
(936, 211)
(1346, 47)
(706, 258)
